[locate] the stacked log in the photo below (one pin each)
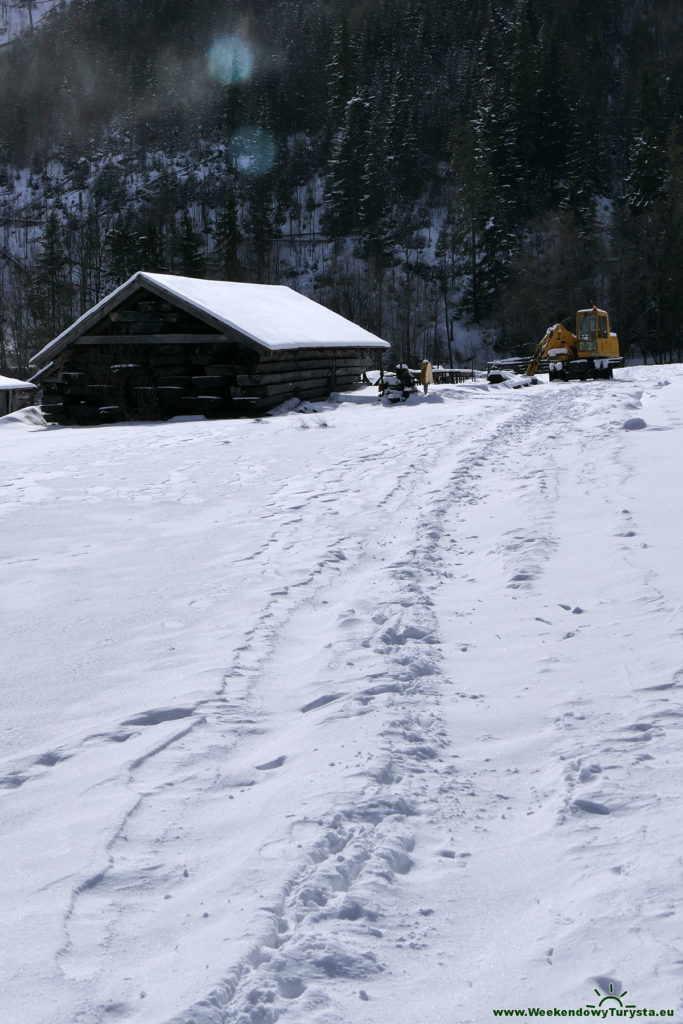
(108, 381)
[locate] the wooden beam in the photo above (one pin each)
(151, 339)
(131, 316)
(320, 352)
(285, 388)
(292, 378)
(296, 365)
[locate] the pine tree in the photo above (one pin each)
(52, 288)
(376, 218)
(261, 226)
(553, 128)
(121, 246)
(134, 242)
(343, 191)
(88, 257)
(190, 256)
(227, 238)
(402, 145)
(340, 80)
(646, 179)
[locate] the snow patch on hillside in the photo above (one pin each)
(20, 16)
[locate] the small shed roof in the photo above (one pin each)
(273, 316)
(12, 384)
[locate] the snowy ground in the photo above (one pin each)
(370, 715)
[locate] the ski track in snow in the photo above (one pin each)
(430, 774)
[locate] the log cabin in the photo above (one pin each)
(161, 346)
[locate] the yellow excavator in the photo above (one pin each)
(592, 351)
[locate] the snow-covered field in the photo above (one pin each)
(364, 715)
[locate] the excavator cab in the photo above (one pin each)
(592, 328)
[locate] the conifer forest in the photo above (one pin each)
(453, 175)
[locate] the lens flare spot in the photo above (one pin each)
(230, 60)
(252, 151)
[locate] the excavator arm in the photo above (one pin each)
(556, 337)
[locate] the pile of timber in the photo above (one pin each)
(109, 381)
(515, 364)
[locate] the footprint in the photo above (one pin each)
(51, 758)
(290, 988)
(353, 910)
(398, 637)
(520, 579)
(277, 763)
(158, 715)
(377, 691)
(13, 781)
(113, 737)
(320, 702)
(590, 807)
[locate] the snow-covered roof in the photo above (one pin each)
(273, 316)
(12, 384)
